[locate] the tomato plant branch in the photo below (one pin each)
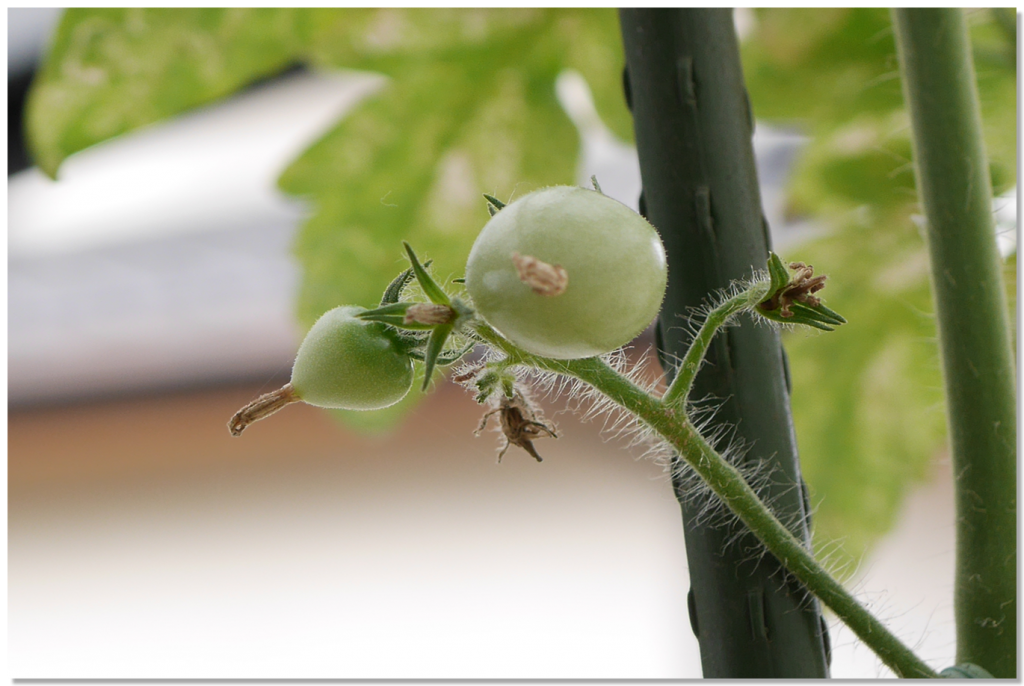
(725, 480)
(679, 391)
(974, 334)
(778, 295)
(730, 485)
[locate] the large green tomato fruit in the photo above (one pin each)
(351, 364)
(611, 288)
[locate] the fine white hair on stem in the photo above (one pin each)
(766, 478)
(618, 424)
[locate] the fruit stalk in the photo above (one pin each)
(974, 335)
(671, 424)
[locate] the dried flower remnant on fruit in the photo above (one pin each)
(520, 424)
(263, 406)
(801, 288)
(545, 279)
(429, 313)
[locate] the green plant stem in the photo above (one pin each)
(1006, 20)
(974, 334)
(671, 424)
(679, 391)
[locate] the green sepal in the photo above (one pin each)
(493, 204)
(508, 385)
(489, 381)
(485, 384)
(802, 314)
(393, 292)
(427, 283)
(463, 312)
(817, 312)
(838, 318)
(394, 314)
(803, 311)
(410, 343)
(444, 359)
(779, 275)
(453, 356)
(399, 322)
(816, 316)
(435, 344)
(804, 321)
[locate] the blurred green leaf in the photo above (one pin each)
(423, 184)
(469, 107)
(110, 71)
(867, 399)
(833, 74)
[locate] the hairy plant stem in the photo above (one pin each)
(953, 180)
(671, 424)
(679, 391)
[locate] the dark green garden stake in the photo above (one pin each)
(693, 123)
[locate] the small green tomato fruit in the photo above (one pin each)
(567, 272)
(350, 364)
(343, 363)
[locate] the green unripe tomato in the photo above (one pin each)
(611, 288)
(351, 364)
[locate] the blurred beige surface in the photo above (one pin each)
(145, 541)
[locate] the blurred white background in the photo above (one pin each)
(150, 294)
